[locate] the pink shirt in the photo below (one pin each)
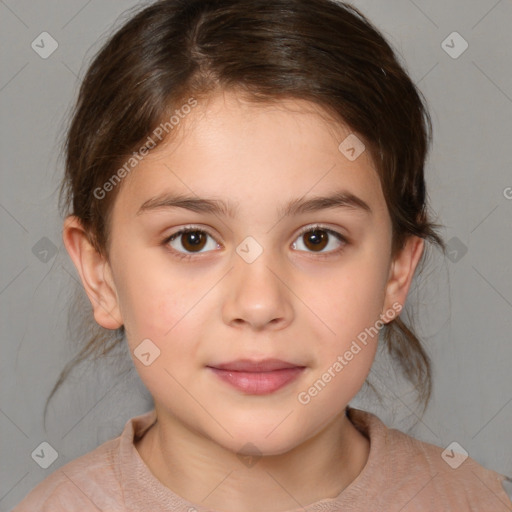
(401, 474)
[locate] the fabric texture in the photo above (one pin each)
(402, 474)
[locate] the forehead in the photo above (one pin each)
(255, 154)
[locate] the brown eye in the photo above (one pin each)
(193, 240)
(190, 241)
(316, 239)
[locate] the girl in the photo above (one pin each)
(247, 210)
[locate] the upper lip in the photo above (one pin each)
(248, 365)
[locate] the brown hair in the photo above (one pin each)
(322, 51)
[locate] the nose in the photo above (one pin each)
(258, 295)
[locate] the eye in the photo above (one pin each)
(192, 240)
(317, 238)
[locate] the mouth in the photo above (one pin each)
(257, 377)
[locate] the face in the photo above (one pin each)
(258, 277)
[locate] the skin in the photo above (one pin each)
(290, 303)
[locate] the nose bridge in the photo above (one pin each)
(257, 295)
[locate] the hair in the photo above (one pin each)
(323, 51)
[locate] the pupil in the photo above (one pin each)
(193, 240)
(317, 239)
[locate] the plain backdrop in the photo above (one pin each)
(464, 301)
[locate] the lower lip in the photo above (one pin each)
(261, 383)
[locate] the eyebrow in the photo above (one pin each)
(340, 199)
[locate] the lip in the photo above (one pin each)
(257, 377)
(250, 365)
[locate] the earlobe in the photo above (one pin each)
(402, 272)
(92, 268)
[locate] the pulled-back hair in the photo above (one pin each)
(322, 51)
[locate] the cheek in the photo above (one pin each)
(347, 338)
(353, 296)
(162, 319)
(153, 297)
(349, 302)
(164, 304)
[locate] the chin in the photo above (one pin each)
(257, 442)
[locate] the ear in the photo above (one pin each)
(94, 272)
(402, 271)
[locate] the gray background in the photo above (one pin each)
(465, 300)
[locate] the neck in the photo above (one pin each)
(200, 471)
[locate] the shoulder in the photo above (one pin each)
(423, 474)
(450, 473)
(79, 484)
(95, 481)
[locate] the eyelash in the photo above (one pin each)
(307, 229)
